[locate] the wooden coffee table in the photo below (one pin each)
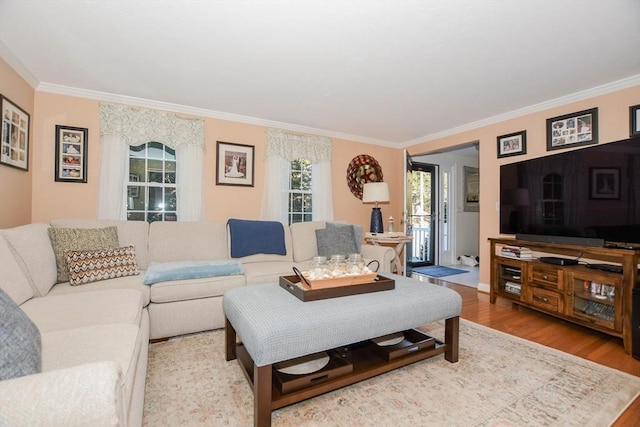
(251, 312)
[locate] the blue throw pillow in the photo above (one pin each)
(256, 237)
(20, 347)
(183, 270)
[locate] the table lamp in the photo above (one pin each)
(374, 192)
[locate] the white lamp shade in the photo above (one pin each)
(373, 192)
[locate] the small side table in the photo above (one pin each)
(397, 243)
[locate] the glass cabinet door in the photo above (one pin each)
(510, 278)
(597, 298)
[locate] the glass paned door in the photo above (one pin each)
(421, 217)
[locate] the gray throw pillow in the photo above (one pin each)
(79, 239)
(335, 241)
(20, 348)
(357, 232)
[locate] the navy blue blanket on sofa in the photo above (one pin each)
(256, 237)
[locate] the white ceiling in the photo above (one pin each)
(384, 72)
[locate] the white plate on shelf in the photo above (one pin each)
(304, 365)
(387, 340)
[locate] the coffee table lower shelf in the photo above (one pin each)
(366, 362)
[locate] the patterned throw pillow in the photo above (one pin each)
(79, 239)
(101, 264)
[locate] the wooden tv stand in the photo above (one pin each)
(594, 298)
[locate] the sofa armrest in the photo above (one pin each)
(84, 395)
(383, 254)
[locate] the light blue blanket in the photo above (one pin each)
(182, 270)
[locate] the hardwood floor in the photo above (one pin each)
(551, 332)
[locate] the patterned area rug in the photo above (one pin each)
(438, 271)
(500, 380)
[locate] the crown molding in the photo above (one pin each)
(18, 66)
(23, 71)
(546, 105)
(201, 112)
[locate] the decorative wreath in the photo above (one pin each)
(362, 169)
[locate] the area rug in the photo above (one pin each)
(438, 271)
(500, 380)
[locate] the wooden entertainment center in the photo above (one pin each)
(595, 298)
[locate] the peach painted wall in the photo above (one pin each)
(15, 184)
(56, 199)
(613, 122)
(53, 199)
(346, 206)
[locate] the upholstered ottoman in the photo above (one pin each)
(275, 326)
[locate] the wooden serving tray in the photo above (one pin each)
(375, 283)
(336, 282)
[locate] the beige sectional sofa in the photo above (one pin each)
(94, 336)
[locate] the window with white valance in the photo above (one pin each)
(283, 147)
(122, 126)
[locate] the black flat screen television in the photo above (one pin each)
(588, 196)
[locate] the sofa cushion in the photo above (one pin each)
(78, 239)
(72, 347)
(303, 239)
(20, 350)
(134, 233)
(121, 343)
(183, 290)
(80, 309)
(338, 240)
(244, 238)
(187, 241)
(127, 282)
(270, 271)
(32, 246)
(183, 270)
(95, 265)
(12, 279)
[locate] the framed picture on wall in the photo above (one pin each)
(471, 191)
(579, 128)
(604, 183)
(14, 147)
(634, 120)
(512, 144)
(234, 164)
(71, 154)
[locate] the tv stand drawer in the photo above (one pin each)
(548, 300)
(546, 277)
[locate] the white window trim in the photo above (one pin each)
(281, 147)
